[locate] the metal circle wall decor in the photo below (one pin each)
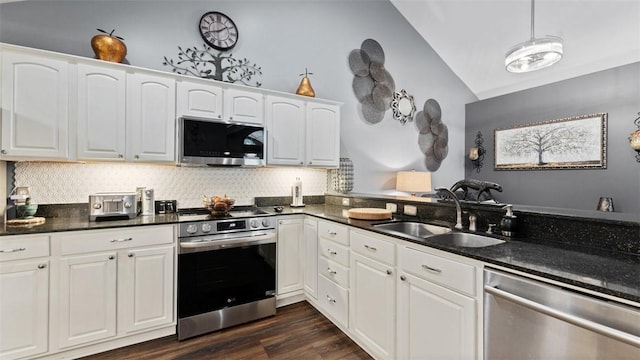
(373, 85)
(403, 106)
(434, 134)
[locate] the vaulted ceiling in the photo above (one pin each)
(472, 37)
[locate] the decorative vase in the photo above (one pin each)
(343, 176)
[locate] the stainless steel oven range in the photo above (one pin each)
(226, 269)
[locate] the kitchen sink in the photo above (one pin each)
(465, 240)
(412, 228)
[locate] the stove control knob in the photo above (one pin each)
(97, 206)
(127, 205)
(266, 222)
(206, 227)
(192, 229)
(254, 223)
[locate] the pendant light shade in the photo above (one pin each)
(534, 54)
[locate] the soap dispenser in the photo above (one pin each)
(508, 222)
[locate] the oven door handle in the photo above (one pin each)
(227, 244)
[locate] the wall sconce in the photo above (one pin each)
(634, 139)
(413, 181)
(476, 154)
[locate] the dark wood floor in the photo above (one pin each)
(297, 331)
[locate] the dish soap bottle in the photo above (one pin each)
(508, 222)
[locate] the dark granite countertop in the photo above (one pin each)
(608, 272)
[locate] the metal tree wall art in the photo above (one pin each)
(210, 64)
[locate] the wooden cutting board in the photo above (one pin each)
(36, 220)
(369, 213)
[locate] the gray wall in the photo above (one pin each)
(614, 91)
(283, 37)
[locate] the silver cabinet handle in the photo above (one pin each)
(120, 156)
(332, 233)
(136, 157)
(42, 266)
(130, 255)
(570, 318)
(13, 250)
(389, 272)
(3, 151)
(331, 252)
(111, 257)
(332, 272)
(121, 240)
(370, 248)
(429, 268)
(403, 278)
(331, 300)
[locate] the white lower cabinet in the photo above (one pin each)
(87, 309)
(24, 311)
(24, 296)
(290, 273)
(311, 257)
(111, 284)
(435, 320)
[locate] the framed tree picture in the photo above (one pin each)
(578, 142)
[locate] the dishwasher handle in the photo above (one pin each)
(561, 315)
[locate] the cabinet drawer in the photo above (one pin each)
(373, 247)
(334, 299)
(333, 231)
(452, 274)
(334, 272)
(23, 247)
(331, 250)
(100, 240)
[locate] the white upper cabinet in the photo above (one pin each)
(302, 133)
(101, 113)
(243, 106)
(199, 99)
(35, 107)
(285, 131)
(151, 118)
(323, 135)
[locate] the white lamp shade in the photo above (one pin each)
(413, 181)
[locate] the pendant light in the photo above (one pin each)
(534, 54)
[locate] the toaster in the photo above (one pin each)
(113, 205)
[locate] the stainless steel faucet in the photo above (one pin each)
(452, 196)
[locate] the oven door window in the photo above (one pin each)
(213, 280)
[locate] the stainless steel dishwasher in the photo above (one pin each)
(529, 319)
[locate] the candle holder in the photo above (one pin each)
(634, 138)
(476, 154)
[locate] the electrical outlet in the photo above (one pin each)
(410, 210)
(345, 201)
(392, 207)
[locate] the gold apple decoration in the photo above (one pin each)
(109, 47)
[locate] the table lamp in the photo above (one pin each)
(413, 181)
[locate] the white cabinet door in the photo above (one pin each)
(145, 288)
(434, 322)
(24, 300)
(199, 99)
(243, 106)
(323, 135)
(101, 113)
(285, 130)
(289, 256)
(151, 118)
(311, 257)
(373, 305)
(35, 107)
(87, 298)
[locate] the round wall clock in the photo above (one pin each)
(218, 30)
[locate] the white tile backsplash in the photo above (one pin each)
(59, 183)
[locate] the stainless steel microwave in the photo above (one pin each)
(217, 143)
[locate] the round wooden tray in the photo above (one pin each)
(36, 220)
(369, 213)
